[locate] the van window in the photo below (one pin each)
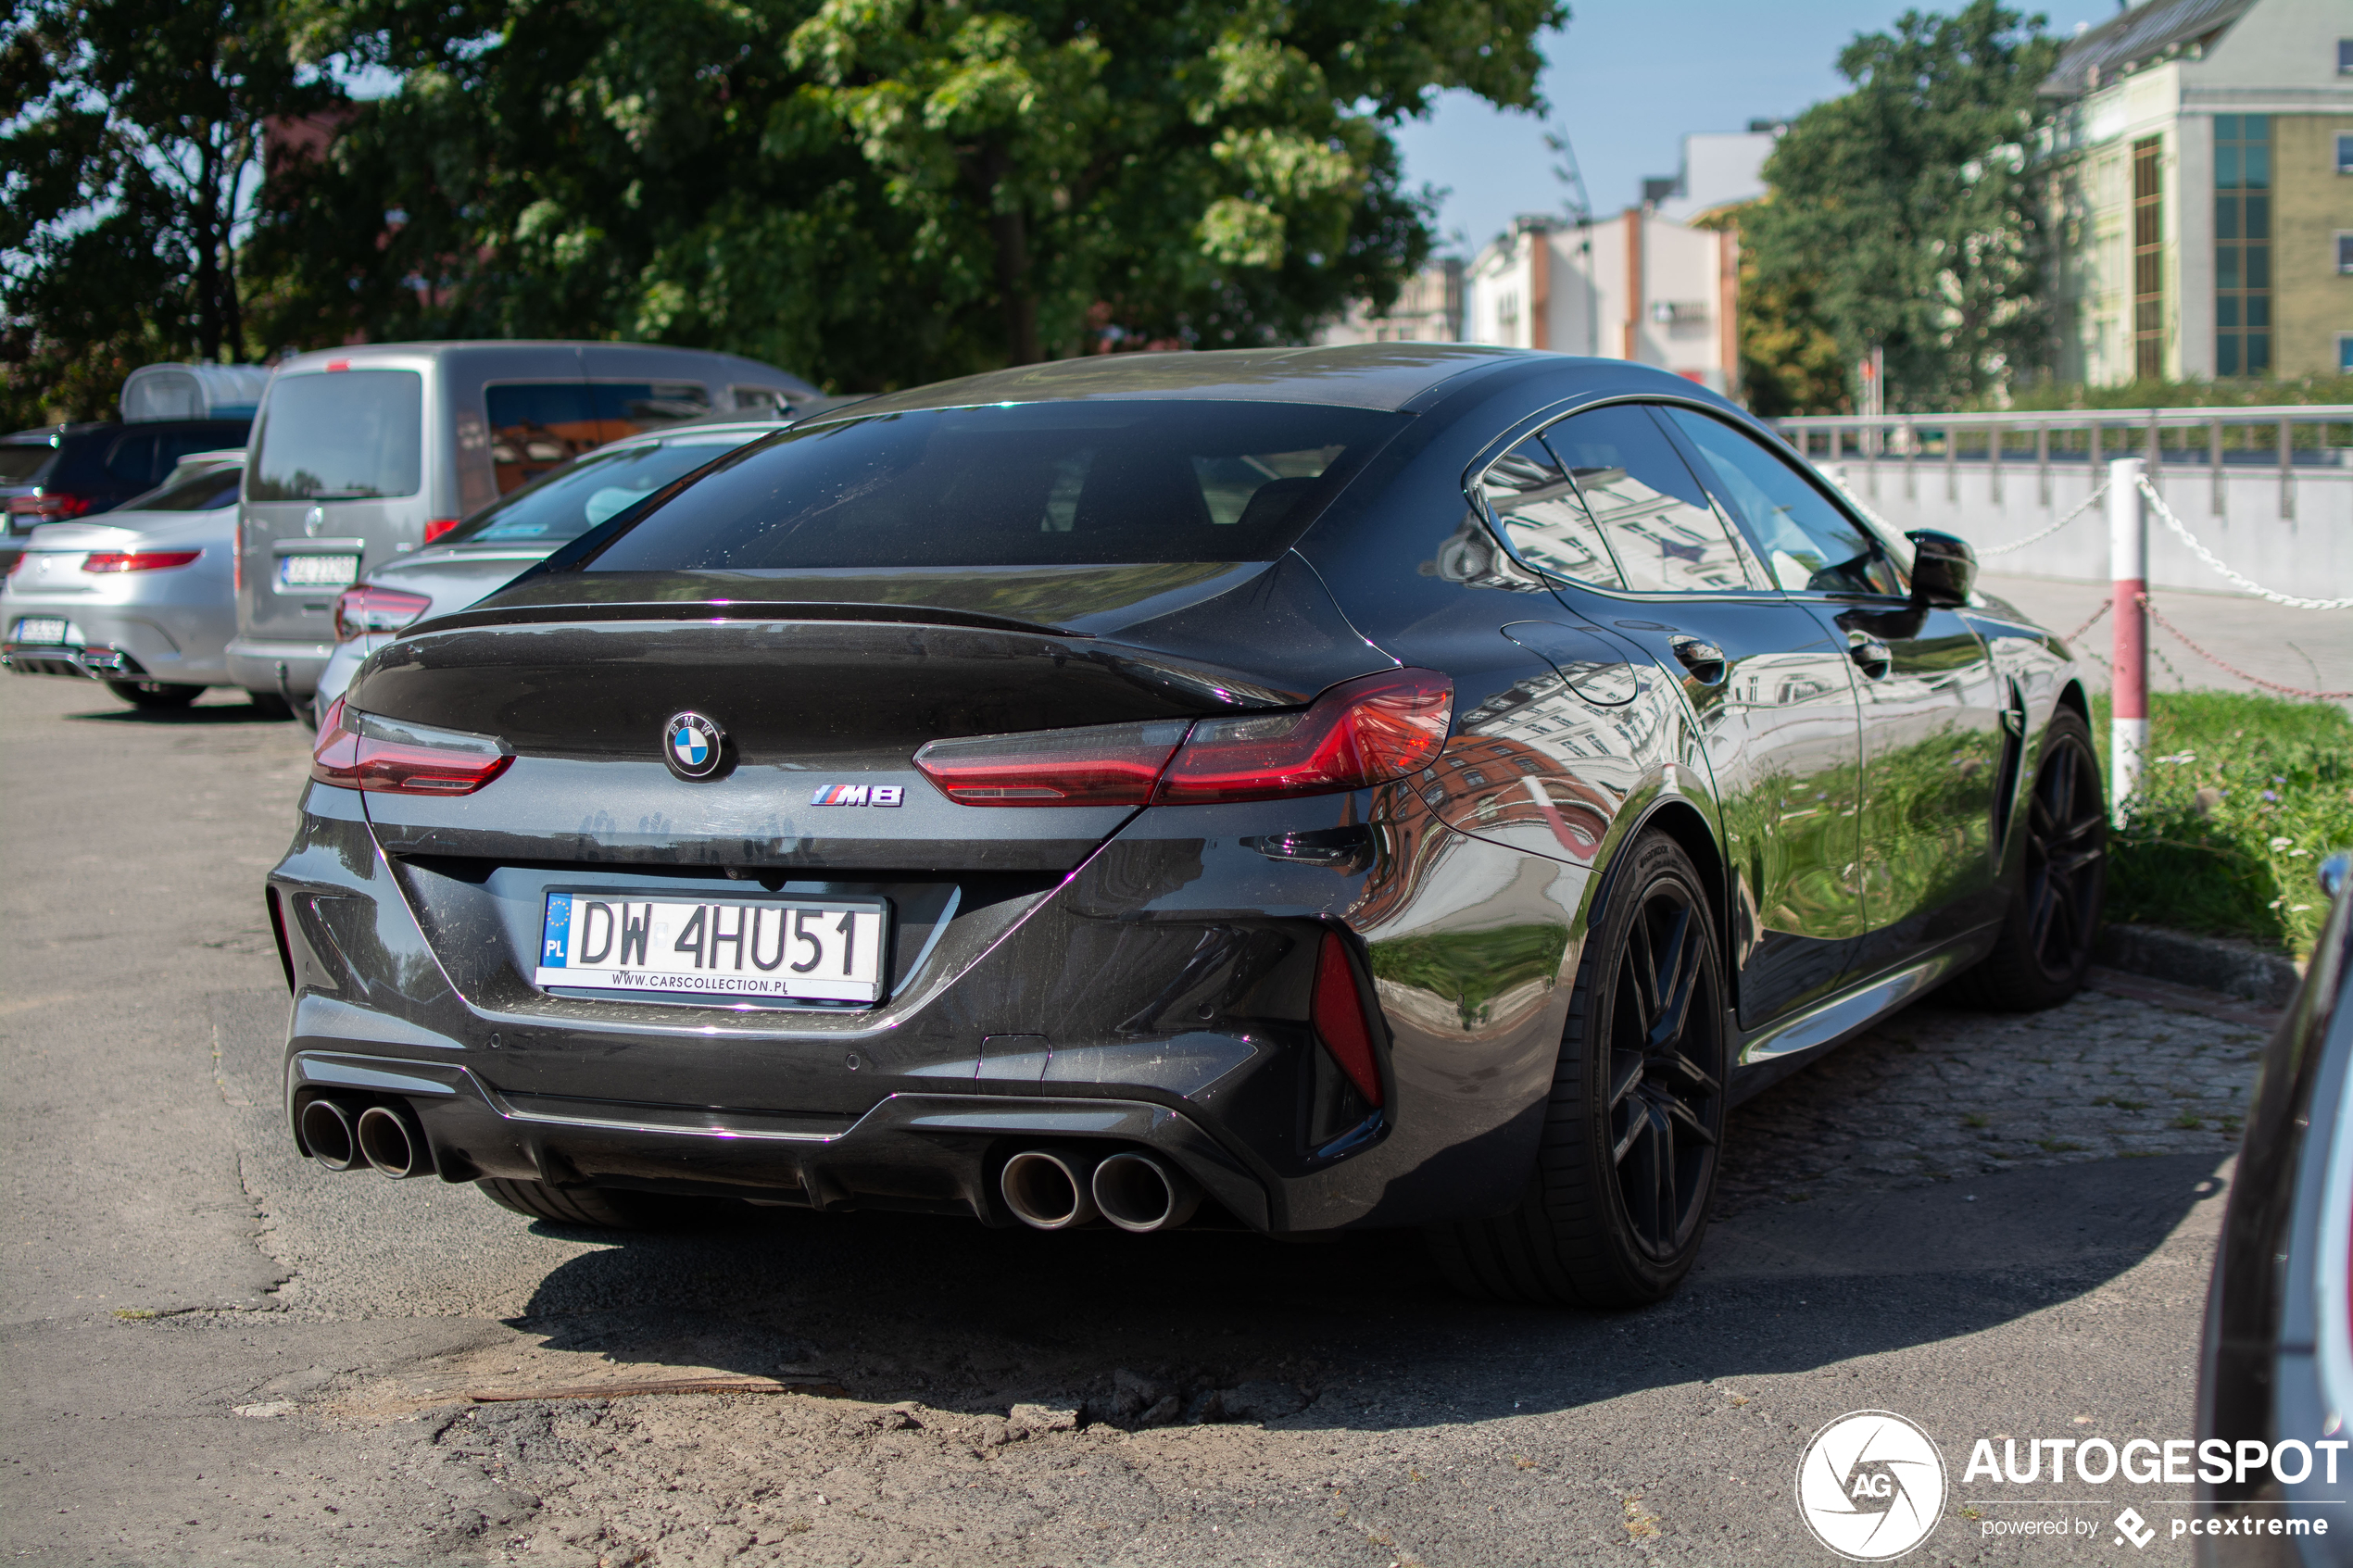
(1024, 485)
(341, 435)
(535, 426)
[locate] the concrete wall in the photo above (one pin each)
(2309, 555)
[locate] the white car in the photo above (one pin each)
(143, 598)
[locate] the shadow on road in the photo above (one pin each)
(966, 1318)
(201, 714)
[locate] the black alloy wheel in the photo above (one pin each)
(2044, 948)
(1665, 1068)
(1614, 1209)
(2066, 856)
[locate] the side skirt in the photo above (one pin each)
(1770, 1054)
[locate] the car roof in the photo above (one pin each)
(1386, 376)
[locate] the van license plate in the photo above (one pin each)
(48, 631)
(828, 949)
(317, 571)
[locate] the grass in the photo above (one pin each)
(2241, 797)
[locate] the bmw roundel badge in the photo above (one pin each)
(693, 745)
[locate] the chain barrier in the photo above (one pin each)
(2085, 505)
(2184, 638)
(2077, 636)
(2213, 563)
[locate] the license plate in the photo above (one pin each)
(48, 630)
(317, 571)
(828, 949)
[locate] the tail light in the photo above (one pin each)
(48, 506)
(364, 751)
(137, 560)
(1102, 765)
(238, 558)
(1338, 1012)
(1358, 733)
(16, 566)
(367, 609)
(437, 527)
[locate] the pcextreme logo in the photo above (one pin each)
(1871, 1486)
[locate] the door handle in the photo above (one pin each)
(1705, 660)
(1871, 658)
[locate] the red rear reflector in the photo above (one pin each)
(401, 758)
(137, 560)
(1360, 733)
(1102, 765)
(437, 527)
(1337, 1011)
(338, 364)
(366, 608)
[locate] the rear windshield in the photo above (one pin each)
(1024, 485)
(576, 499)
(206, 492)
(21, 464)
(344, 436)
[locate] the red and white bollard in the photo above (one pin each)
(2128, 547)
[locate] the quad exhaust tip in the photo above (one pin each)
(328, 1134)
(1140, 1192)
(1048, 1189)
(389, 1144)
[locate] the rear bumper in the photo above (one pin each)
(925, 1152)
(260, 666)
(111, 643)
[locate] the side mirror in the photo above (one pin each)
(1944, 568)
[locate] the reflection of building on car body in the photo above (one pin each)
(362, 455)
(1403, 786)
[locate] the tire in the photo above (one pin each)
(155, 694)
(2045, 945)
(600, 1208)
(1614, 1210)
(269, 705)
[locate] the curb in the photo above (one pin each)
(2210, 963)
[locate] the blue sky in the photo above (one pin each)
(1629, 78)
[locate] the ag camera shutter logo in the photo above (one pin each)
(1871, 1486)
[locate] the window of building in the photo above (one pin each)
(2149, 261)
(2344, 153)
(2345, 353)
(2242, 244)
(2345, 252)
(2344, 56)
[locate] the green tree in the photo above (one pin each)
(1905, 210)
(127, 168)
(877, 193)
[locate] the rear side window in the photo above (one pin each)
(1025, 485)
(570, 502)
(1539, 512)
(341, 435)
(1648, 505)
(21, 464)
(131, 461)
(535, 426)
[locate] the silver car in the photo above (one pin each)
(143, 599)
(490, 549)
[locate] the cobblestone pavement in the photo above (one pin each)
(1938, 1093)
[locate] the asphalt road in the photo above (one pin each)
(215, 1352)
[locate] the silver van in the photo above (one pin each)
(364, 454)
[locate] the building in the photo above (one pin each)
(1638, 286)
(1429, 310)
(2199, 169)
(1720, 168)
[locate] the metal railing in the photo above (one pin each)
(2175, 444)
